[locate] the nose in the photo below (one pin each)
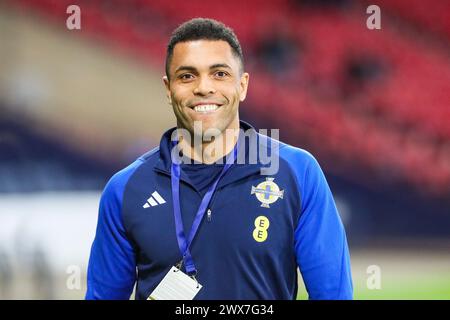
(204, 87)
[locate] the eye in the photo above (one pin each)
(221, 74)
(186, 76)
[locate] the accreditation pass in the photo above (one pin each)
(176, 285)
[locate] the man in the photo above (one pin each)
(217, 228)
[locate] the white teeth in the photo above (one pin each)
(206, 107)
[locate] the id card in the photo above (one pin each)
(176, 285)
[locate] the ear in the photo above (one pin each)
(244, 86)
(167, 85)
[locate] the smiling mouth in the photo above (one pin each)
(206, 108)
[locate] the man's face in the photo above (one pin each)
(205, 85)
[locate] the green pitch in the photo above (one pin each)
(424, 279)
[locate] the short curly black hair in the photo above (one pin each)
(203, 29)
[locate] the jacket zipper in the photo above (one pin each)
(209, 211)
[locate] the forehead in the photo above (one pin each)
(203, 53)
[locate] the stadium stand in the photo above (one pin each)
(382, 99)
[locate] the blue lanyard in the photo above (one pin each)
(184, 243)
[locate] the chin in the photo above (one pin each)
(214, 125)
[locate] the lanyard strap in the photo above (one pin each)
(184, 243)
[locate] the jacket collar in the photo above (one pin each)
(249, 140)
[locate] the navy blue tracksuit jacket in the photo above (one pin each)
(259, 230)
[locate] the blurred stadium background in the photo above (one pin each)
(372, 105)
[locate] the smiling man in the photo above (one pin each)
(186, 221)
(205, 83)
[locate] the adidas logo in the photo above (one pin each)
(154, 200)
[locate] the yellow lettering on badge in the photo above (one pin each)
(261, 225)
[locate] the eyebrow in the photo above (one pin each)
(220, 65)
(193, 69)
(185, 68)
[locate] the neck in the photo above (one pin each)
(209, 152)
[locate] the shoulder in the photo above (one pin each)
(304, 167)
(300, 164)
(296, 157)
(299, 160)
(117, 183)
